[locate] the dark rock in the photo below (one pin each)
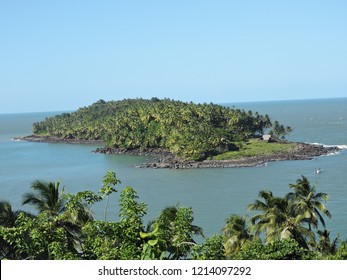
(165, 159)
(55, 139)
(302, 151)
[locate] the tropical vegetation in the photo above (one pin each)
(188, 130)
(64, 227)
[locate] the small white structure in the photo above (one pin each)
(267, 137)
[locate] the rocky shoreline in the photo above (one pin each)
(165, 159)
(55, 139)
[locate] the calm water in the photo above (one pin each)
(213, 194)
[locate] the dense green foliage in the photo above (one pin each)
(283, 228)
(194, 131)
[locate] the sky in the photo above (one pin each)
(61, 55)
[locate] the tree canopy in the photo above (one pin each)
(281, 229)
(188, 130)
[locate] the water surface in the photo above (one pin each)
(213, 194)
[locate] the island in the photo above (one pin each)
(177, 134)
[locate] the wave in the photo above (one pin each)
(341, 147)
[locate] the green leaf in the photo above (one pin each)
(153, 242)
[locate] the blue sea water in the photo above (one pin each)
(213, 194)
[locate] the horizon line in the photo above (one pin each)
(217, 103)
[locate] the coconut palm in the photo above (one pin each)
(68, 214)
(7, 216)
(279, 219)
(284, 221)
(235, 234)
(8, 219)
(309, 202)
(46, 197)
(266, 204)
(325, 245)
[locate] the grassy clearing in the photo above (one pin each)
(256, 148)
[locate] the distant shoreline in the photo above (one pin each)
(54, 139)
(165, 159)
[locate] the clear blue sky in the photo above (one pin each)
(62, 55)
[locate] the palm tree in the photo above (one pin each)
(285, 222)
(279, 219)
(46, 197)
(309, 202)
(8, 218)
(266, 204)
(325, 245)
(235, 234)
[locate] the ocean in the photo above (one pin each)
(213, 194)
